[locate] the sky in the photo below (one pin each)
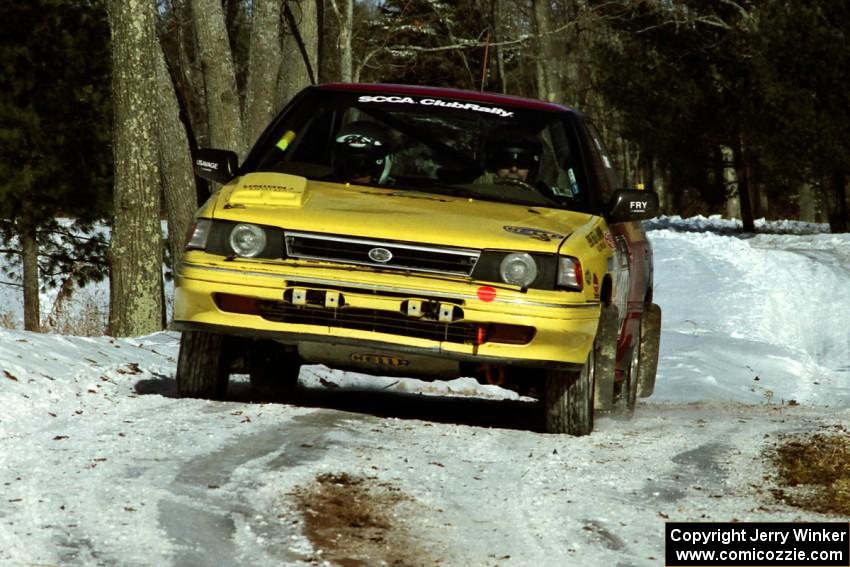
(101, 463)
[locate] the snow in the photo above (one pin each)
(102, 464)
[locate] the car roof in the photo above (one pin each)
(456, 94)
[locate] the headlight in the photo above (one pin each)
(247, 240)
(519, 269)
(569, 273)
(198, 235)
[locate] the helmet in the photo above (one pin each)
(513, 146)
(362, 149)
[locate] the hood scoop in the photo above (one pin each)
(268, 190)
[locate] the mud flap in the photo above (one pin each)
(605, 347)
(649, 345)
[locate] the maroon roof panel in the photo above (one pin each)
(456, 94)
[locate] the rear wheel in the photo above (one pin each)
(628, 395)
(203, 365)
(273, 370)
(568, 399)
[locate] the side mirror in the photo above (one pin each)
(216, 165)
(632, 205)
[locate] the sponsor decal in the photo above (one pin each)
(486, 294)
(379, 359)
(206, 164)
(638, 206)
(381, 255)
(609, 240)
(256, 187)
(595, 286)
(534, 233)
(501, 112)
(596, 236)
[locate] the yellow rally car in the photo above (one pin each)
(425, 232)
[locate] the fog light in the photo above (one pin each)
(237, 304)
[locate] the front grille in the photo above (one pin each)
(373, 320)
(408, 257)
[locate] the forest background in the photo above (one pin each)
(728, 107)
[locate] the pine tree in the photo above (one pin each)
(54, 140)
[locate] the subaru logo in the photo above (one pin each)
(381, 255)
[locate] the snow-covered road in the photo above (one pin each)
(101, 464)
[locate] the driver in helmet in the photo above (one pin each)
(361, 153)
(512, 154)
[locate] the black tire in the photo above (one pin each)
(628, 395)
(203, 365)
(273, 370)
(568, 399)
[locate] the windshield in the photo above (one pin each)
(433, 145)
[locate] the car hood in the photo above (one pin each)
(294, 203)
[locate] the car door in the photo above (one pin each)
(630, 262)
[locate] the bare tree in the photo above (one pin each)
(178, 179)
(263, 67)
(216, 57)
(136, 247)
(301, 44)
(548, 60)
(345, 20)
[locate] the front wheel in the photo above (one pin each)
(568, 399)
(273, 370)
(203, 367)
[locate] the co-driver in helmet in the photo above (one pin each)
(361, 153)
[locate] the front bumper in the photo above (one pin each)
(561, 332)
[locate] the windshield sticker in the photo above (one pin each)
(437, 102)
(285, 140)
(534, 233)
(573, 182)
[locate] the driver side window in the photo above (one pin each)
(603, 169)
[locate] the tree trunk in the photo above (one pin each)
(498, 54)
(808, 206)
(263, 68)
(549, 61)
(730, 183)
(295, 74)
(345, 28)
(743, 175)
(29, 259)
(136, 247)
(223, 107)
(178, 177)
(838, 217)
